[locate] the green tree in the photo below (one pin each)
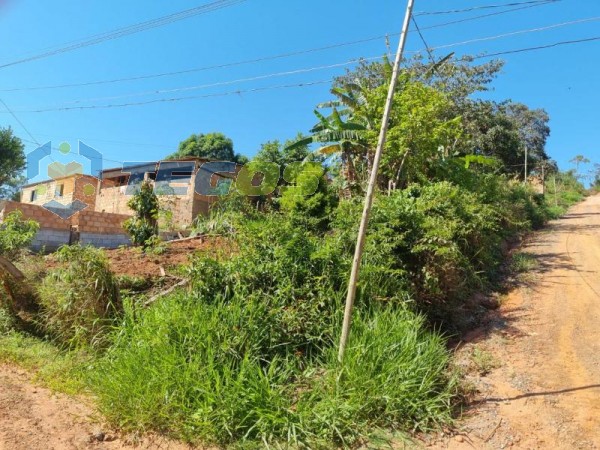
(143, 226)
(596, 175)
(12, 162)
(211, 146)
(579, 159)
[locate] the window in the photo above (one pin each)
(33, 196)
(60, 190)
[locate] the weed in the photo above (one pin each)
(51, 366)
(483, 361)
(523, 262)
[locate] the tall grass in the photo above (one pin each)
(80, 299)
(200, 372)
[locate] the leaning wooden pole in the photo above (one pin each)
(360, 243)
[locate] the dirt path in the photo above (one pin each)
(33, 418)
(546, 340)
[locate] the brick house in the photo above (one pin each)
(101, 205)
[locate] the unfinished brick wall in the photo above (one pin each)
(53, 232)
(88, 226)
(101, 229)
(45, 218)
(112, 199)
(88, 221)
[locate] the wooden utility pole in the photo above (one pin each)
(543, 177)
(360, 243)
(525, 164)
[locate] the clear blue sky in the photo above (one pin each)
(562, 80)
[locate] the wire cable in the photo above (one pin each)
(20, 123)
(427, 48)
(515, 33)
(129, 30)
(255, 60)
(539, 47)
(526, 49)
(475, 8)
(329, 66)
(229, 82)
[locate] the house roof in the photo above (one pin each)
(53, 180)
(119, 170)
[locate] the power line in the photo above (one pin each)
(527, 49)
(427, 48)
(514, 33)
(129, 30)
(539, 47)
(200, 69)
(311, 69)
(19, 122)
(229, 82)
(483, 16)
(475, 8)
(177, 99)
(258, 60)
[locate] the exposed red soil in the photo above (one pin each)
(133, 262)
(34, 418)
(543, 391)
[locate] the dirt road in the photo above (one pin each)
(545, 394)
(33, 418)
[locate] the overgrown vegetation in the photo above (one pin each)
(246, 354)
(16, 233)
(81, 299)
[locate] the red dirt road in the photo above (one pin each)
(33, 418)
(546, 340)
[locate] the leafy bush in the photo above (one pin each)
(7, 321)
(16, 233)
(144, 224)
(80, 300)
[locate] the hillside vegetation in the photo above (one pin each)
(246, 354)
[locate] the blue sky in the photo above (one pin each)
(563, 80)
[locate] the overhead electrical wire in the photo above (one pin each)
(427, 48)
(480, 7)
(515, 33)
(128, 30)
(539, 47)
(176, 99)
(254, 60)
(483, 16)
(18, 121)
(229, 82)
(311, 69)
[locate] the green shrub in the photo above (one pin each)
(16, 233)
(201, 371)
(7, 321)
(144, 224)
(80, 300)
